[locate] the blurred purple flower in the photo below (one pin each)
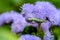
(5, 18)
(46, 9)
(48, 36)
(29, 37)
(45, 27)
(41, 10)
(27, 10)
(1, 20)
(19, 22)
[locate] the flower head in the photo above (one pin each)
(1, 20)
(29, 37)
(45, 27)
(46, 9)
(27, 10)
(19, 23)
(7, 17)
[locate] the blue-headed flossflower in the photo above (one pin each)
(46, 9)
(47, 34)
(1, 20)
(19, 22)
(29, 37)
(41, 10)
(27, 10)
(5, 18)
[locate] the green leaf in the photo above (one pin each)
(56, 32)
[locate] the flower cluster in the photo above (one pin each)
(29, 37)
(5, 18)
(45, 11)
(39, 10)
(18, 21)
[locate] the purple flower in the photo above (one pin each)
(7, 17)
(29, 37)
(54, 18)
(45, 27)
(46, 9)
(41, 10)
(48, 36)
(19, 22)
(27, 10)
(1, 20)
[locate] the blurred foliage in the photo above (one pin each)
(56, 32)
(55, 2)
(33, 31)
(30, 30)
(6, 34)
(7, 5)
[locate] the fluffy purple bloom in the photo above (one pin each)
(45, 27)
(46, 9)
(18, 27)
(54, 18)
(48, 36)
(5, 18)
(41, 10)
(29, 37)
(27, 10)
(19, 22)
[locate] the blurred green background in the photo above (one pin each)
(7, 5)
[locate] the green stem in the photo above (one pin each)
(39, 31)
